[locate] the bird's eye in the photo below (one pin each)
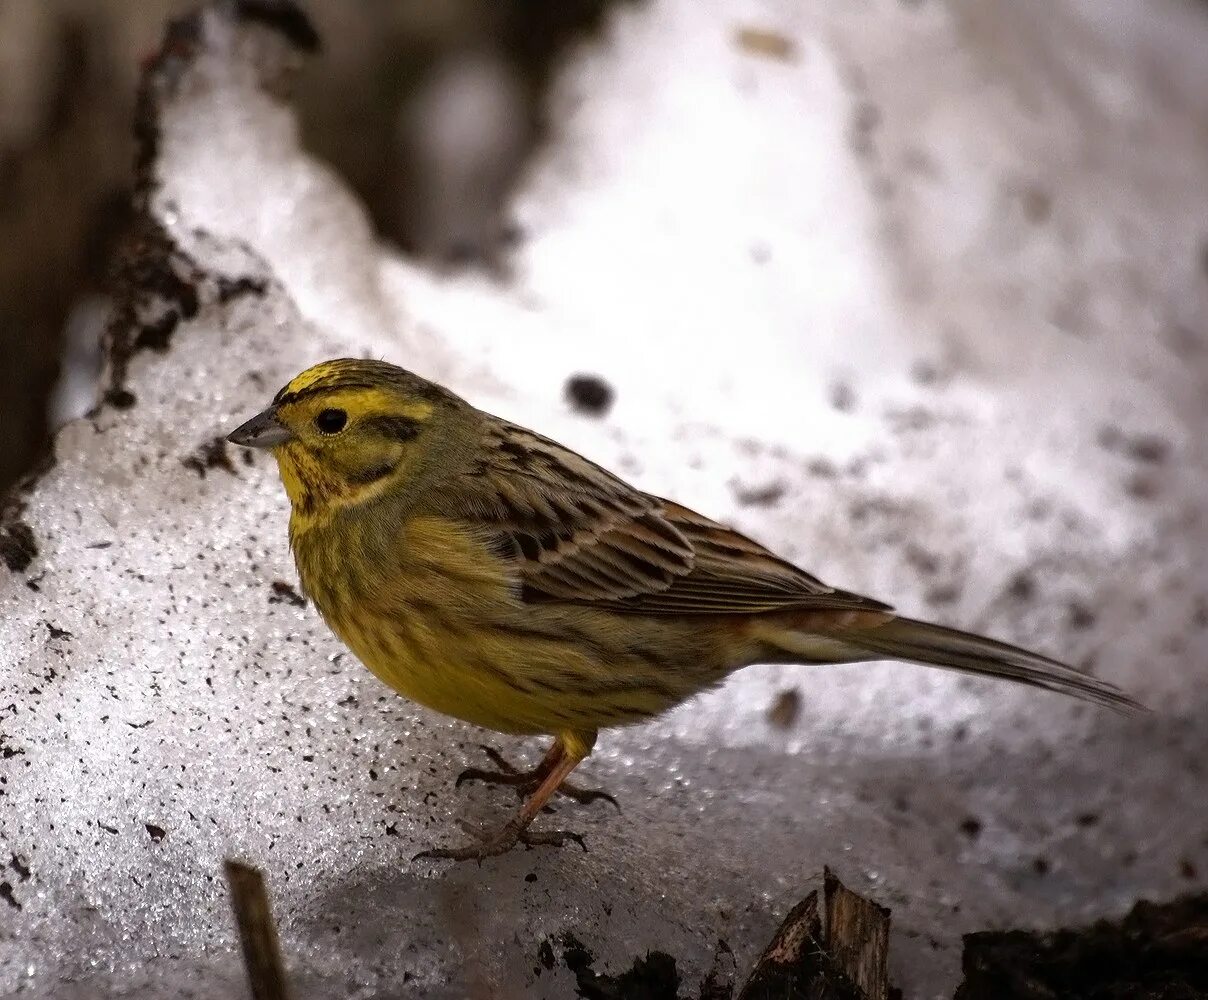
(331, 421)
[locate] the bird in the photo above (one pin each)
(494, 575)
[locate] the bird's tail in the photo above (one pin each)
(938, 646)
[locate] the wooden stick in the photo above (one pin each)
(257, 932)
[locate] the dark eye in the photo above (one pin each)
(331, 421)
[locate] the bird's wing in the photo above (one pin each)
(733, 573)
(576, 533)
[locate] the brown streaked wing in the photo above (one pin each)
(577, 532)
(735, 575)
(582, 535)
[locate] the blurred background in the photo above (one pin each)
(428, 110)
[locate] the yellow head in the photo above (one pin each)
(344, 431)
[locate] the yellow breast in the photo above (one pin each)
(435, 615)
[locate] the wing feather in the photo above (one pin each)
(579, 534)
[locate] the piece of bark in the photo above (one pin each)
(793, 964)
(257, 932)
(845, 959)
(857, 937)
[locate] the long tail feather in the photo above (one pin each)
(937, 646)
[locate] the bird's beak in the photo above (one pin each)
(264, 430)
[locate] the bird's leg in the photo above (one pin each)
(574, 747)
(527, 782)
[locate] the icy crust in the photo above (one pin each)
(860, 357)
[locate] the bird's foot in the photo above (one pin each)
(501, 841)
(527, 782)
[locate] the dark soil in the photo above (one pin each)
(1158, 952)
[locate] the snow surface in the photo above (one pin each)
(943, 287)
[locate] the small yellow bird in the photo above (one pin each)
(491, 574)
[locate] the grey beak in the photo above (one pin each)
(264, 430)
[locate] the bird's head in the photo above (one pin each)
(345, 431)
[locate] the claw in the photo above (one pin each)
(500, 842)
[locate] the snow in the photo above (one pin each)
(988, 252)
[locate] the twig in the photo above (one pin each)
(257, 932)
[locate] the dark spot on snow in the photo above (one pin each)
(545, 952)
(1199, 614)
(212, 454)
(1081, 616)
(589, 394)
(765, 42)
(120, 399)
(56, 632)
(531, 877)
(651, 977)
(765, 495)
(1140, 486)
(943, 594)
(284, 593)
(19, 865)
(156, 833)
(1150, 448)
(6, 893)
(1086, 819)
(230, 289)
(1040, 865)
(1188, 869)
(1146, 448)
(7, 752)
(922, 560)
(971, 827)
(785, 709)
(1022, 586)
(106, 828)
(924, 372)
(866, 118)
(1037, 204)
(392, 829)
(842, 396)
(912, 418)
(17, 545)
(1155, 953)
